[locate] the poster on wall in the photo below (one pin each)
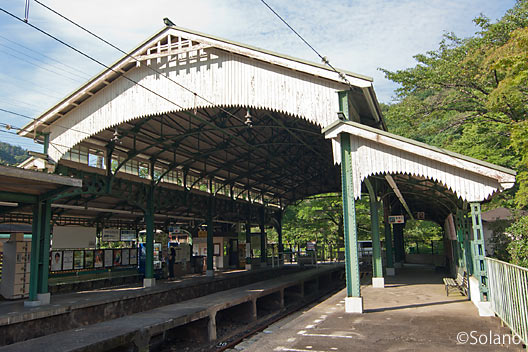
(133, 257)
(125, 257)
(88, 259)
(128, 235)
(111, 235)
(98, 263)
(78, 260)
(56, 260)
(108, 257)
(117, 257)
(67, 260)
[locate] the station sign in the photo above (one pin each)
(128, 235)
(111, 235)
(396, 219)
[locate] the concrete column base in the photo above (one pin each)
(149, 282)
(248, 266)
(209, 273)
(32, 304)
(378, 282)
(354, 305)
(212, 327)
(44, 298)
(484, 309)
(398, 265)
(390, 271)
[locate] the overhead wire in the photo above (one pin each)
(324, 59)
(103, 64)
(134, 58)
(38, 60)
(37, 65)
(46, 56)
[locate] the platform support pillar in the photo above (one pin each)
(210, 234)
(211, 327)
(399, 250)
(353, 300)
(40, 246)
(478, 250)
(279, 234)
(149, 280)
(377, 266)
(248, 245)
(389, 270)
(263, 251)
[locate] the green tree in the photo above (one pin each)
(518, 247)
(470, 95)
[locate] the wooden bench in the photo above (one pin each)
(460, 284)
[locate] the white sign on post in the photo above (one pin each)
(396, 219)
(111, 235)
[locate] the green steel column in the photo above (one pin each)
(44, 247)
(210, 233)
(460, 239)
(248, 243)
(377, 266)
(263, 252)
(479, 251)
(279, 232)
(399, 250)
(388, 234)
(349, 220)
(35, 249)
(353, 284)
(149, 222)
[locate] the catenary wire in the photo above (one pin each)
(102, 64)
(324, 59)
(132, 57)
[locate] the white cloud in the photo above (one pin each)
(356, 35)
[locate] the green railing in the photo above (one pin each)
(508, 293)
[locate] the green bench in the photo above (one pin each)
(460, 284)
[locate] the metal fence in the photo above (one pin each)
(508, 293)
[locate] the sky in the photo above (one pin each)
(360, 36)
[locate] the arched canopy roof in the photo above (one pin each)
(424, 174)
(175, 108)
(163, 74)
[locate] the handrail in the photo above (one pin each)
(508, 294)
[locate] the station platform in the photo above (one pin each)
(113, 317)
(412, 313)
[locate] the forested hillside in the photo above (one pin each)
(11, 154)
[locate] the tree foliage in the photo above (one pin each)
(11, 154)
(518, 247)
(471, 96)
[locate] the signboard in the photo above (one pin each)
(66, 237)
(202, 233)
(111, 235)
(128, 235)
(175, 229)
(396, 219)
(310, 246)
(420, 215)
